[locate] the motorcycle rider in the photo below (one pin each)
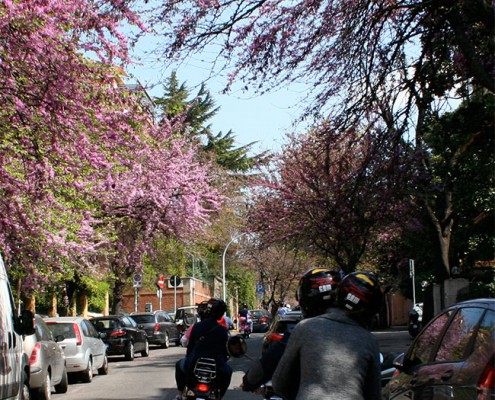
(202, 307)
(315, 294)
(208, 339)
(335, 347)
(245, 313)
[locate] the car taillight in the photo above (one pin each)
(263, 319)
(275, 337)
(202, 387)
(34, 354)
(157, 327)
(77, 332)
(118, 333)
(486, 384)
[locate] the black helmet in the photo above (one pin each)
(360, 295)
(215, 308)
(316, 290)
(202, 308)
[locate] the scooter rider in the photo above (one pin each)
(208, 339)
(315, 293)
(335, 347)
(245, 313)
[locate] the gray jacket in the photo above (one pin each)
(329, 357)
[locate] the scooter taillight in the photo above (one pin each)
(202, 387)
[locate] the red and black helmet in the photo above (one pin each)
(215, 308)
(316, 290)
(359, 293)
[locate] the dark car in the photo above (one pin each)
(160, 328)
(280, 325)
(122, 336)
(451, 358)
(46, 361)
(261, 320)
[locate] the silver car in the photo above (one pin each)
(46, 361)
(84, 350)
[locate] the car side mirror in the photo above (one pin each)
(24, 324)
(236, 346)
(400, 362)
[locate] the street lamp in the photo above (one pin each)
(223, 265)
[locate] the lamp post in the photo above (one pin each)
(224, 286)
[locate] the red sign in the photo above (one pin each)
(161, 281)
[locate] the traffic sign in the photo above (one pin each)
(161, 281)
(174, 281)
(137, 281)
(260, 288)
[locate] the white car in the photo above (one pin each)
(84, 350)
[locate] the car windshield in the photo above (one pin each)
(285, 326)
(143, 319)
(258, 313)
(104, 323)
(67, 330)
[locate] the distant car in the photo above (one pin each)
(261, 320)
(451, 358)
(160, 328)
(122, 336)
(46, 361)
(84, 350)
(280, 325)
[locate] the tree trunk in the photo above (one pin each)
(118, 292)
(30, 303)
(52, 312)
(83, 304)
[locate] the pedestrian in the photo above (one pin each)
(208, 339)
(333, 356)
(316, 293)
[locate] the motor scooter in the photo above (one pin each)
(387, 371)
(203, 385)
(244, 327)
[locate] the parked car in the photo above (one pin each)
(46, 362)
(84, 350)
(14, 363)
(261, 320)
(160, 328)
(122, 336)
(451, 358)
(280, 325)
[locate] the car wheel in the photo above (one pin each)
(44, 392)
(166, 341)
(87, 375)
(103, 370)
(129, 351)
(64, 383)
(146, 351)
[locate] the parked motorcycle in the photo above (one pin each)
(244, 327)
(203, 385)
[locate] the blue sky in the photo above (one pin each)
(264, 119)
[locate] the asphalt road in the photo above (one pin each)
(153, 377)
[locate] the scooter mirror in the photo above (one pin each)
(236, 346)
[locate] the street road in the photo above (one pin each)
(152, 378)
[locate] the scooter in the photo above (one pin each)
(203, 384)
(244, 328)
